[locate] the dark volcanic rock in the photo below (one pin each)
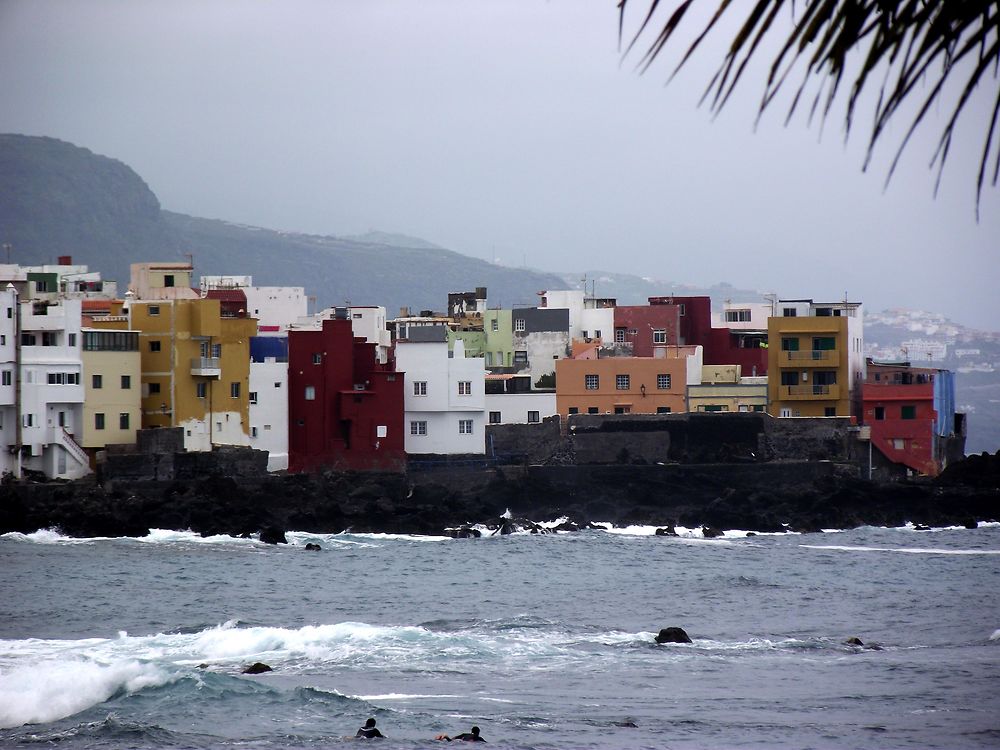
(257, 668)
(666, 531)
(272, 535)
(673, 635)
(711, 533)
(312, 547)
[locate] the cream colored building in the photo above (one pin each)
(724, 389)
(112, 380)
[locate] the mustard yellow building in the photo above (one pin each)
(627, 385)
(815, 359)
(112, 379)
(195, 368)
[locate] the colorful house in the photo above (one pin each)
(815, 359)
(911, 414)
(627, 385)
(345, 408)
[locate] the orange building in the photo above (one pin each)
(627, 385)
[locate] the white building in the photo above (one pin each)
(269, 399)
(70, 280)
(444, 394)
(743, 316)
(520, 408)
(41, 386)
(589, 317)
(274, 307)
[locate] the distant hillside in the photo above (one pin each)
(59, 199)
(629, 289)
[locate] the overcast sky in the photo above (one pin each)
(502, 130)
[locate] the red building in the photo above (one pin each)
(673, 321)
(910, 411)
(345, 409)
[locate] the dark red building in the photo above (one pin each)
(672, 321)
(345, 409)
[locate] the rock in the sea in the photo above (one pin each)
(312, 547)
(854, 641)
(465, 532)
(258, 667)
(666, 531)
(710, 532)
(272, 535)
(673, 635)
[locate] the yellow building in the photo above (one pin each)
(724, 389)
(112, 388)
(627, 385)
(815, 359)
(195, 368)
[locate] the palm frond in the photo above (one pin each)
(910, 43)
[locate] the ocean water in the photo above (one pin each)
(542, 641)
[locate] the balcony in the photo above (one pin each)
(206, 367)
(824, 357)
(810, 392)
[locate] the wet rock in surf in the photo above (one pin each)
(854, 641)
(666, 531)
(710, 532)
(258, 667)
(272, 535)
(464, 532)
(312, 547)
(673, 635)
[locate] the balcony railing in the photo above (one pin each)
(821, 356)
(206, 367)
(814, 391)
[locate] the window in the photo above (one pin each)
(662, 409)
(622, 410)
(519, 324)
(737, 316)
(201, 390)
(50, 338)
(168, 280)
(592, 382)
(825, 377)
(277, 385)
(623, 382)
(533, 417)
(153, 310)
(824, 343)
(234, 390)
(97, 381)
(573, 410)
(908, 411)
(494, 325)
(8, 377)
(252, 396)
(99, 421)
(597, 333)
(494, 417)
(489, 359)
(465, 427)
(154, 346)
(521, 358)
(216, 350)
(419, 387)
(619, 335)
(633, 331)
(879, 413)
(788, 312)
(3, 339)
(789, 344)
(682, 309)
(356, 316)
(317, 358)
(789, 377)
(70, 339)
(123, 420)
(464, 387)
(62, 419)
(126, 382)
(418, 428)
(714, 407)
(310, 394)
(898, 443)
(28, 339)
(154, 388)
(253, 432)
(663, 381)
(659, 336)
(592, 410)
(830, 411)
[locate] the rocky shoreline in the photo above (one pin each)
(719, 497)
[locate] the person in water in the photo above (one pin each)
(368, 731)
(472, 736)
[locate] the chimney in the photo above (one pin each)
(65, 260)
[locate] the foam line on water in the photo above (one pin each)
(910, 550)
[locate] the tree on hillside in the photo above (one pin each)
(911, 48)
